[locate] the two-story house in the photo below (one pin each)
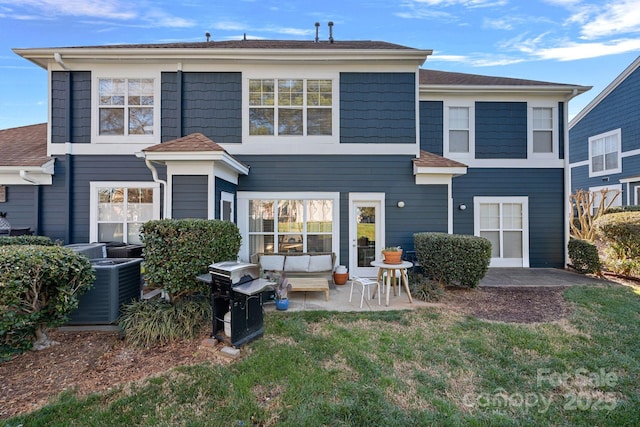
(343, 146)
(604, 140)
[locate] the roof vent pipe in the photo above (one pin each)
(317, 27)
(330, 31)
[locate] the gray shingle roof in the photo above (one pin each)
(430, 160)
(448, 78)
(24, 146)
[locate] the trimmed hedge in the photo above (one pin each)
(453, 258)
(177, 250)
(39, 288)
(621, 233)
(27, 240)
(584, 256)
(618, 209)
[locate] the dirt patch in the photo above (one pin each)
(519, 305)
(88, 362)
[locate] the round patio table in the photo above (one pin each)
(391, 275)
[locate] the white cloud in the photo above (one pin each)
(574, 51)
(476, 59)
(112, 9)
(616, 18)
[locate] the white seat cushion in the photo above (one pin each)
(320, 263)
(297, 263)
(272, 262)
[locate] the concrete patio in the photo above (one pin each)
(496, 277)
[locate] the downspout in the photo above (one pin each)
(163, 183)
(26, 177)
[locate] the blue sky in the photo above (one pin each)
(585, 42)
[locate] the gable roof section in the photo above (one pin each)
(605, 92)
(193, 147)
(24, 146)
(432, 164)
(236, 50)
(446, 81)
(23, 156)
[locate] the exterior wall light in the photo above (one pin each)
(401, 204)
(462, 206)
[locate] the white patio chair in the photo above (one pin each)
(365, 283)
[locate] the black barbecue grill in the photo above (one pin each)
(236, 287)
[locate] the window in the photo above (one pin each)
(604, 153)
(126, 106)
(458, 132)
(458, 129)
(291, 225)
(290, 107)
(119, 209)
(543, 130)
(504, 222)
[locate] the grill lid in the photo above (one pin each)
(236, 271)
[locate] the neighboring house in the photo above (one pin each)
(605, 141)
(344, 146)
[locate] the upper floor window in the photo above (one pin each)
(126, 106)
(543, 135)
(459, 128)
(290, 107)
(542, 130)
(604, 153)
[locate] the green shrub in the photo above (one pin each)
(424, 288)
(621, 234)
(453, 258)
(584, 256)
(27, 240)
(39, 288)
(149, 323)
(618, 209)
(176, 251)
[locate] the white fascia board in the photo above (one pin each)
(44, 57)
(422, 170)
(13, 177)
(630, 179)
(198, 156)
(284, 148)
(515, 163)
(432, 179)
(561, 91)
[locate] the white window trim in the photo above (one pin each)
(243, 198)
(471, 105)
(93, 200)
(287, 140)
(524, 200)
(227, 197)
(618, 133)
(95, 110)
(555, 138)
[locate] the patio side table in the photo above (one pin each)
(391, 273)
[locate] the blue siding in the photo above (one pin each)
(210, 103)
(425, 205)
(619, 109)
(431, 126)
(189, 196)
(20, 206)
(53, 204)
(71, 112)
(501, 130)
(545, 190)
(377, 108)
(227, 187)
(100, 168)
(580, 177)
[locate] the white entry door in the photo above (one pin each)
(366, 232)
(505, 222)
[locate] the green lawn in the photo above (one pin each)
(420, 368)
